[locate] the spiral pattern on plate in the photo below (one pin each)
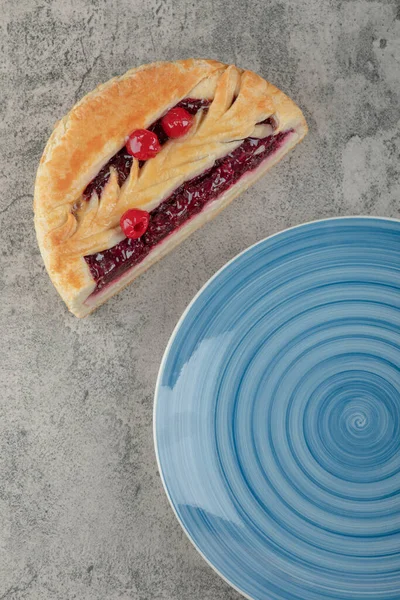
(277, 415)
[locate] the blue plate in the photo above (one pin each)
(277, 415)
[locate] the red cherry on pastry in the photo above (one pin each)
(134, 223)
(143, 144)
(176, 122)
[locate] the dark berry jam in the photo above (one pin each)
(193, 105)
(187, 201)
(122, 162)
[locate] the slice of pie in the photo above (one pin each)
(143, 161)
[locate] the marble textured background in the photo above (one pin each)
(82, 510)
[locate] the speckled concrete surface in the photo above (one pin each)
(82, 510)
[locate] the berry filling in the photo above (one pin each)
(187, 201)
(122, 163)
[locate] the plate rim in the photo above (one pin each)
(172, 339)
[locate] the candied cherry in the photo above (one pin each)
(176, 122)
(134, 223)
(143, 144)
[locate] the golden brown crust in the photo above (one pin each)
(97, 127)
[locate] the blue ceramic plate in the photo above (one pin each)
(277, 415)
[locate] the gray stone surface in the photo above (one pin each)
(82, 510)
